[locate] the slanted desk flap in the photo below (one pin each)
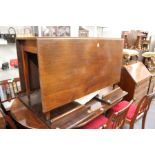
(137, 71)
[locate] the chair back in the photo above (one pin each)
(7, 120)
(9, 89)
(117, 119)
(144, 104)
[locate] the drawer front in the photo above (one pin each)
(142, 87)
(140, 94)
(143, 81)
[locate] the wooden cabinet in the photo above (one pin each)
(135, 79)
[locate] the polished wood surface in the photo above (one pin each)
(84, 114)
(2, 121)
(25, 117)
(56, 71)
(30, 46)
(117, 119)
(74, 64)
(72, 115)
(138, 71)
(141, 110)
(69, 68)
(135, 80)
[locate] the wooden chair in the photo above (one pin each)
(7, 120)
(9, 89)
(115, 121)
(136, 111)
(2, 120)
(139, 111)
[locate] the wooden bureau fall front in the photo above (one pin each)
(135, 79)
(54, 72)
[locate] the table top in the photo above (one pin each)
(76, 115)
(25, 116)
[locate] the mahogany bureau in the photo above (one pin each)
(135, 79)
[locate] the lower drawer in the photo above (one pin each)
(142, 87)
(141, 93)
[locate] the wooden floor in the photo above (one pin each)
(150, 120)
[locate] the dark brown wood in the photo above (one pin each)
(30, 46)
(117, 119)
(57, 71)
(20, 64)
(141, 110)
(83, 114)
(72, 115)
(114, 96)
(2, 121)
(25, 117)
(70, 68)
(135, 80)
(75, 60)
(5, 119)
(152, 83)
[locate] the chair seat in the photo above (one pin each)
(96, 123)
(131, 111)
(122, 105)
(119, 106)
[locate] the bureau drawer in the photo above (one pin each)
(143, 81)
(142, 86)
(141, 93)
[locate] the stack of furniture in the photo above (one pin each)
(145, 42)
(55, 72)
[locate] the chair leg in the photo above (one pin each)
(131, 125)
(10, 122)
(143, 121)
